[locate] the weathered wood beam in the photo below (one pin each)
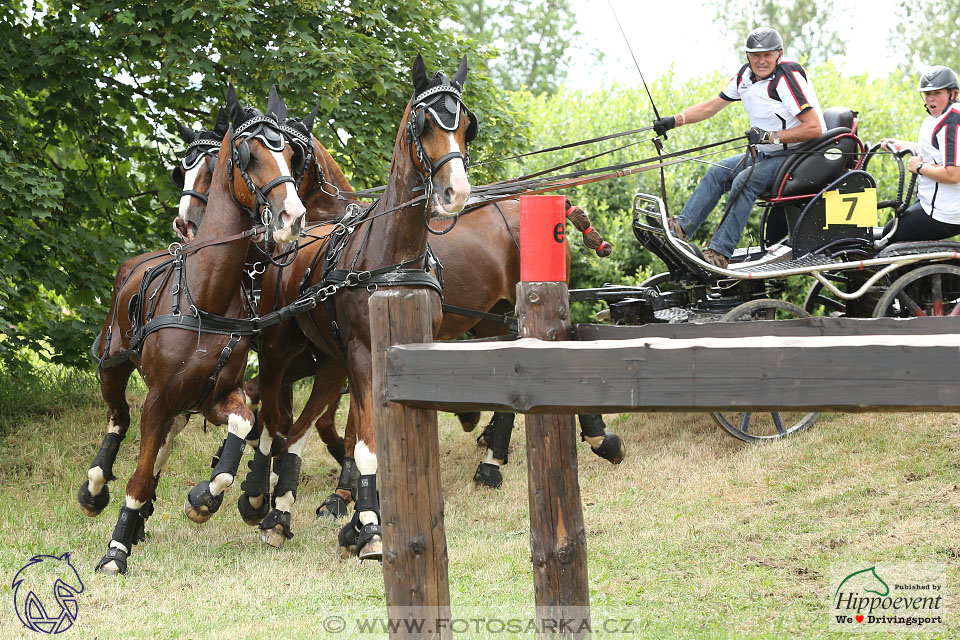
(899, 372)
(415, 574)
(558, 540)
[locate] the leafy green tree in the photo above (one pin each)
(529, 40)
(928, 33)
(805, 25)
(88, 92)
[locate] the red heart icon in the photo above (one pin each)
(859, 618)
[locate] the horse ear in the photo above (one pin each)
(233, 106)
(186, 134)
(461, 75)
(273, 104)
(282, 114)
(308, 121)
(223, 119)
(420, 80)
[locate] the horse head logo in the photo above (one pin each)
(43, 579)
(867, 581)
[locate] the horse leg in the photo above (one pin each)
(275, 527)
(327, 429)
(362, 536)
(252, 504)
(605, 444)
(155, 434)
(496, 436)
(205, 499)
(94, 493)
(335, 505)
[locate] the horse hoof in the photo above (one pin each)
(332, 508)
(113, 563)
(274, 536)
(373, 550)
(201, 504)
(347, 539)
(488, 475)
(612, 449)
(92, 505)
(250, 514)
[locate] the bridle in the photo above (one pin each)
(267, 131)
(444, 103)
(197, 151)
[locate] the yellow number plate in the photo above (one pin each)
(858, 209)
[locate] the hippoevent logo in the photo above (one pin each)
(45, 593)
(887, 597)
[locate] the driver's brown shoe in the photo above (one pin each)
(676, 229)
(716, 259)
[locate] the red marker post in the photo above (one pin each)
(542, 239)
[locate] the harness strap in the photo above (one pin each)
(499, 318)
(221, 362)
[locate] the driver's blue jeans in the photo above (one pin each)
(734, 175)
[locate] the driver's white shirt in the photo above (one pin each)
(939, 142)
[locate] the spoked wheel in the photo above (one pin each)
(758, 427)
(933, 290)
(820, 301)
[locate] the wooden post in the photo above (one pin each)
(411, 503)
(558, 542)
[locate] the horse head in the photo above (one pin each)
(194, 175)
(260, 157)
(438, 128)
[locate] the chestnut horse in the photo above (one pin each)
(174, 322)
(382, 246)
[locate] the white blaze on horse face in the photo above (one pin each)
(293, 209)
(189, 181)
(457, 187)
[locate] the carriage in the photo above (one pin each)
(819, 223)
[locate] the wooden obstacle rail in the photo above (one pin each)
(813, 363)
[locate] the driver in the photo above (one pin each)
(783, 111)
(936, 214)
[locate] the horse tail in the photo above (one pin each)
(591, 237)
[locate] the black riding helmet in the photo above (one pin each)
(763, 39)
(939, 77)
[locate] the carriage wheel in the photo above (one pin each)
(933, 290)
(820, 301)
(758, 427)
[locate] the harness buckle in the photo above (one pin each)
(356, 277)
(174, 249)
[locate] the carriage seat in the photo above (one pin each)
(818, 162)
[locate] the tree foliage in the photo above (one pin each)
(929, 32)
(805, 25)
(88, 91)
(529, 40)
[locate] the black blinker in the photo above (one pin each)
(177, 176)
(420, 120)
(243, 155)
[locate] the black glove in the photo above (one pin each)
(756, 135)
(662, 125)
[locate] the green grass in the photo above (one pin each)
(695, 535)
